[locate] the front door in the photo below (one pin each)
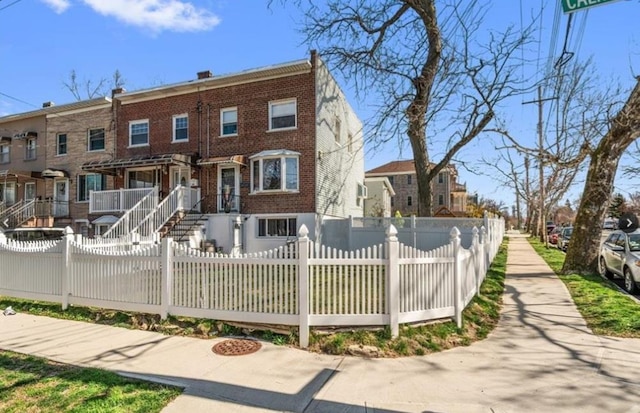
(180, 176)
(227, 189)
(61, 197)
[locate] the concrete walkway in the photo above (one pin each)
(540, 358)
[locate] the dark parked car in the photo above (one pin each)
(620, 256)
(550, 226)
(563, 238)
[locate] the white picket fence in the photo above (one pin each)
(301, 284)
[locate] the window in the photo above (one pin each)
(441, 178)
(277, 227)
(8, 193)
(229, 122)
(30, 149)
(392, 201)
(29, 191)
(408, 179)
(145, 178)
(282, 114)
(180, 128)
(90, 182)
(275, 173)
(96, 139)
(337, 127)
(139, 133)
(409, 201)
(440, 199)
(391, 180)
(61, 144)
(5, 154)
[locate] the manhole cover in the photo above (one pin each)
(236, 347)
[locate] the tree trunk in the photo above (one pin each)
(582, 256)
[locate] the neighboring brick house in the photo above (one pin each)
(448, 194)
(22, 157)
(41, 153)
(78, 133)
(269, 148)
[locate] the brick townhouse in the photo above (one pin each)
(268, 149)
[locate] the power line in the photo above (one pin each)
(10, 4)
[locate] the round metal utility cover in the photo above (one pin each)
(236, 347)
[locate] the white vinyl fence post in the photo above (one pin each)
(66, 262)
(457, 276)
(303, 286)
(482, 252)
(393, 279)
(475, 248)
(166, 263)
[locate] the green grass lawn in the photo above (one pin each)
(31, 384)
(607, 310)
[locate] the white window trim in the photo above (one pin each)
(295, 113)
(283, 161)
(35, 189)
(30, 144)
(138, 122)
(175, 117)
(6, 152)
(222, 111)
(277, 217)
(89, 141)
(58, 144)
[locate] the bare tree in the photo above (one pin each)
(437, 77)
(624, 129)
(576, 125)
(89, 89)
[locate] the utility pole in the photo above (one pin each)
(541, 216)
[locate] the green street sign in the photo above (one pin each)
(569, 6)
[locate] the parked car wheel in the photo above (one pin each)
(604, 271)
(629, 282)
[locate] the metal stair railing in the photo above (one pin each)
(8, 211)
(198, 210)
(176, 201)
(132, 219)
(19, 215)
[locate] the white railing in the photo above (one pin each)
(8, 210)
(131, 219)
(117, 200)
(20, 214)
(301, 284)
(180, 198)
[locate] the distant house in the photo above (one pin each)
(449, 197)
(377, 202)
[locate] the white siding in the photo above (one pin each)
(338, 171)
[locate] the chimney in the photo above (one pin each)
(117, 91)
(205, 74)
(48, 104)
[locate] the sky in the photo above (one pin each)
(156, 42)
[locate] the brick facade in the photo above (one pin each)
(203, 105)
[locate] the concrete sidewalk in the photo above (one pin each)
(540, 358)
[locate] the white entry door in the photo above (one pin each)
(61, 197)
